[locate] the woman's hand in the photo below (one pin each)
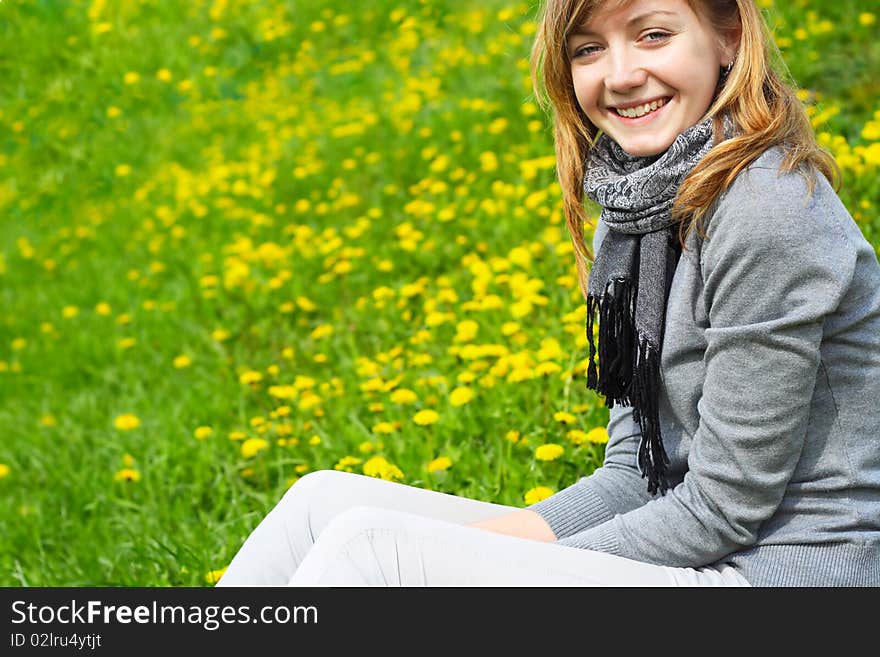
(523, 523)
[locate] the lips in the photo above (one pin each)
(644, 118)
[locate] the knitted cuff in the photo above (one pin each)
(601, 539)
(572, 510)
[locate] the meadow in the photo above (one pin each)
(243, 241)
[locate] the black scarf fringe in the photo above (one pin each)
(646, 411)
(616, 322)
(627, 375)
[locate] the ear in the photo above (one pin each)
(730, 44)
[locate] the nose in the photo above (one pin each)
(625, 71)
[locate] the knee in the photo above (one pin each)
(358, 521)
(314, 481)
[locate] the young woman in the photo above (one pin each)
(740, 361)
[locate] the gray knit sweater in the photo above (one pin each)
(769, 403)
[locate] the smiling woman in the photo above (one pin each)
(644, 74)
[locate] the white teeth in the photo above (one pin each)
(641, 110)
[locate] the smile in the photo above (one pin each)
(642, 113)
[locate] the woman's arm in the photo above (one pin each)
(616, 487)
(774, 268)
(523, 523)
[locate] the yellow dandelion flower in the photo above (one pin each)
(366, 447)
(127, 460)
(253, 446)
(201, 433)
(163, 74)
(213, 576)
(48, 421)
(379, 467)
(466, 330)
(597, 435)
(577, 437)
(550, 349)
(346, 462)
(127, 422)
(315, 440)
(309, 400)
(281, 411)
(404, 396)
(535, 495)
(122, 170)
(383, 427)
(426, 417)
(546, 368)
(468, 377)
(69, 312)
(322, 331)
(282, 392)
(127, 474)
(373, 385)
(237, 435)
(512, 436)
(564, 418)
(250, 376)
(182, 361)
(131, 77)
(509, 328)
(305, 304)
(4, 470)
(549, 452)
(219, 335)
(103, 308)
(461, 396)
(439, 464)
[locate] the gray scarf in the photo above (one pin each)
(632, 273)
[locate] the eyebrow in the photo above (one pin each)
(581, 31)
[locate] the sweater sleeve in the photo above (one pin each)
(615, 487)
(774, 266)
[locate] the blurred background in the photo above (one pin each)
(246, 240)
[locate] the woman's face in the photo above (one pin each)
(657, 52)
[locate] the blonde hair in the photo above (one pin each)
(764, 106)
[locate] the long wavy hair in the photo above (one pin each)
(762, 103)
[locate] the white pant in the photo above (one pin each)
(340, 529)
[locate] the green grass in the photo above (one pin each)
(293, 156)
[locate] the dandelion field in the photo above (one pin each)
(242, 241)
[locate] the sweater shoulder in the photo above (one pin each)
(763, 190)
(765, 205)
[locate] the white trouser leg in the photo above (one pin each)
(274, 550)
(369, 546)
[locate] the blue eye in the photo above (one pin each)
(661, 35)
(584, 51)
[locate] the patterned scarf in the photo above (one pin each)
(632, 273)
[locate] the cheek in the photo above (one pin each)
(584, 91)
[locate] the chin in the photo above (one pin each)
(641, 149)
